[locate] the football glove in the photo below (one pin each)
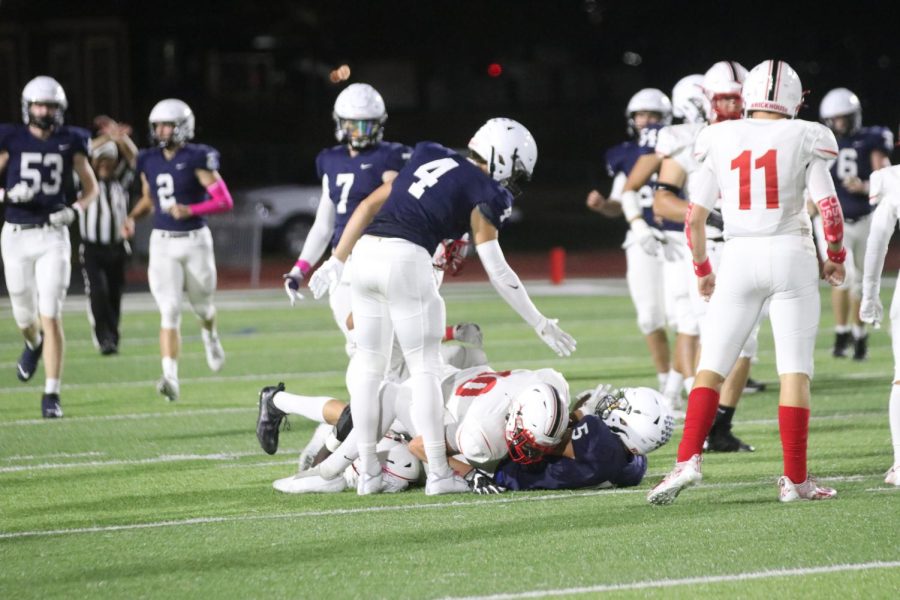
(482, 483)
(648, 237)
(870, 310)
(63, 217)
(19, 193)
(451, 255)
(292, 284)
(326, 277)
(559, 341)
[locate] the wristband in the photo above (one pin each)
(837, 257)
(703, 269)
(448, 333)
(303, 265)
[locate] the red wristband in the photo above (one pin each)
(837, 257)
(448, 333)
(703, 269)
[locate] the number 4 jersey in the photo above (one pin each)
(45, 165)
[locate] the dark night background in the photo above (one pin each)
(256, 74)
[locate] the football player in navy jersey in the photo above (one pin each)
(40, 158)
(349, 172)
(861, 150)
(439, 194)
(180, 185)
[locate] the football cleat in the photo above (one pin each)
(269, 419)
(892, 477)
(28, 362)
(684, 475)
(752, 386)
(451, 484)
(215, 355)
(108, 347)
(50, 408)
(788, 491)
(841, 344)
(298, 484)
(168, 387)
(861, 347)
(725, 441)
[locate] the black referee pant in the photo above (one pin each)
(103, 267)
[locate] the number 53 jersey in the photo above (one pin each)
(45, 165)
(433, 196)
(760, 167)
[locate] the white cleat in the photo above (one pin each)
(369, 484)
(451, 484)
(299, 484)
(168, 387)
(316, 443)
(892, 477)
(684, 475)
(788, 491)
(215, 354)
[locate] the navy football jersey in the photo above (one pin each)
(622, 158)
(352, 178)
(174, 182)
(433, 197)
(46, 165)
(854, 160)
(600, 458)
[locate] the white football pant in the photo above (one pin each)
(855, 236)
(178, 264)
(37, 267)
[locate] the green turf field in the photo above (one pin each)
(129, 496)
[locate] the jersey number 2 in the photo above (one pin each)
(428, 175)
(165, 190)
(768, 163)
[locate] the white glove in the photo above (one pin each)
(591, 398)
(672, 252)
(871, 311)
(559, 341)
(63, 217)
(648, 237)
(292, 284)
(19, 193)
(326, 277)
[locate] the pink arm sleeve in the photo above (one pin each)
(219, 201)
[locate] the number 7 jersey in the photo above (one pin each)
(759, 166)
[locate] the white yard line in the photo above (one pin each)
(704, 580)
(165, 458)
(53, 455)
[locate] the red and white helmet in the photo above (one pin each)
(723, 81)
(688, 101)
(773, 86)
(537, 420)
(648, 100)
(841, 102)
(639, 417)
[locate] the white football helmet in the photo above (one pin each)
(688, 101)
(48, 91)
(648, 100)
(177, 112)
(723, 81)
(841, 102)
(402, 464)
(537, 419)
(639, 417)
(508, 149)
(359, 116)
(773, 86)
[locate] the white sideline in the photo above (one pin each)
(510, 499)
(668, 583)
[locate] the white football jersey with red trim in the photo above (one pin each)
(884, 187)
(760, 166)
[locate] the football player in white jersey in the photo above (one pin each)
(716, 97)
(884, 188)
(761, 166)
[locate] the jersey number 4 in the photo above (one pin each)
(428, 175)
(768, 163)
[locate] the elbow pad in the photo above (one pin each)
(832, 219)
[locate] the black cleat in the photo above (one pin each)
(861, 347)
(50, 408)
(841, 344)
(28, 362)
(269, 419)
(108, 348)
(725, 441)
(752, 386)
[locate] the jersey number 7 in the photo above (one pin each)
(767, 162)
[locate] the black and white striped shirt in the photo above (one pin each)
(101, 222)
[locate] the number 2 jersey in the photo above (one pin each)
(47, 167)
(175, 182)
(433, 197)
(349, 179)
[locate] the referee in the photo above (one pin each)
(103, 252)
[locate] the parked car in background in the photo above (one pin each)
(287, 213)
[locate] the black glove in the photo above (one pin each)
(715, 219)
(482, 483)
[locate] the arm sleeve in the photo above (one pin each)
(818, 180)
(323, 228)
(618, 184)
(884, 219)
(506, 282)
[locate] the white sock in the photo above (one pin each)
(673, 384)
(51, 386)
(841, 328)
(170, 368)
(858, 331)
(894, 420)
(661, 379)
(427, 413)
(436, 452)
(207, 334)
(305, 406)
(688, 384)
(368, 460)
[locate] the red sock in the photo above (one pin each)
(793, 423)
(701, 412)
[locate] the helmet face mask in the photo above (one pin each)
(639, 417)
(841, 111)
(647, 100)
(176, 114)
(43, 91)
(359, 116)
(358, 133)
(722, 84)
(536, 423)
